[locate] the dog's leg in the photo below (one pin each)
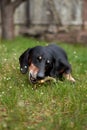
(68, 77)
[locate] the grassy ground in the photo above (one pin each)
(52, 106)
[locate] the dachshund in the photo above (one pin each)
(43, 61)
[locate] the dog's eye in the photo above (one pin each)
(39, 58)
(48, 61)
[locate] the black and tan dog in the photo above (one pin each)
(45, 61)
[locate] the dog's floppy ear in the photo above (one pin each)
(23, 60)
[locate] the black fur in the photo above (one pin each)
(53, 62)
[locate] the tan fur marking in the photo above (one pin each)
(69, 77)
(33, 68)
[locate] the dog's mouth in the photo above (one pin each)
(32, 79)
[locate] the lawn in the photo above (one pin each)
(50, 106)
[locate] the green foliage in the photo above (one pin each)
(51, 106)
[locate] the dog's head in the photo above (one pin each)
(38, 61)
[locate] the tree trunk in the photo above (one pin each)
(7, 16)
(84, 15)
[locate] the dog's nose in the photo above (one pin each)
(40, 75)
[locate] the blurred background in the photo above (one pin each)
(61, 20)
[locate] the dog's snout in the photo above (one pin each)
(40, 75)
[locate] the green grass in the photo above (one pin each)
(51, 106)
